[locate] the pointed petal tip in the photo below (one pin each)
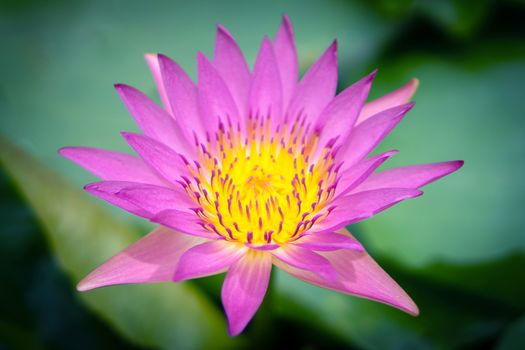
(65, 151)
(118, 86)
(86, 284)
(454, 165)
(412, 87)
(92, 187)
(203, 62)
(234, 331)
(458, 163)
(332, 49)
(406, 305)
(414, 310)
(390, 153)
(201, 56)
(409, 105)
(150, 57)
(98, 187)
(222, 30)
(372, 75)
(266, 41)
(178, 276)
(287, 23)
(122, 86)
(83, 286)
(368, 79)
(128, 135)
(403, 109)
(165, 59)
(162, 57)
(330, 52)
(124, 89)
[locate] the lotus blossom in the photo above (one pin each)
(252, 168)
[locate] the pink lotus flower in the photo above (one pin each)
(251, 168)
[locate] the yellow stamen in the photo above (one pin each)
(265, 188)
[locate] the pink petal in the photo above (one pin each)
(360, 172)
(339, 116)
(317, 88)
(359, 206)
(328, 241)
(153, 120)
(366, 136)
(244, 289)
(182, 97)
(265, 98)
(305, 259)
(141, 199)
(215, 101)
(156, 199)
(209, 258)
(362, 276)
(185, 222)
(393, 99)
(412, 176)
(153, 258)
(286, 55)
(106, 191)
(359, 275)
(160, 158)
(231, 65)
(111, 165)
(153, 64)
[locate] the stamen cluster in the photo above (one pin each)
(269, 188)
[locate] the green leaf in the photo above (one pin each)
(459, 18)
(514, 337)
(82, 236)
(451, 317)
(467, 108)
(498, 280)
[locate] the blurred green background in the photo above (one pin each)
(458, 250)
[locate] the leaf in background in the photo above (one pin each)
(500, 280)
(82, 236)
(514, 337)
(451, 317)
(460, 18)
(469, 109)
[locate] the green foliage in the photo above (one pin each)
(83, 235)
(464, 110)
(458, 251)
(513, 338)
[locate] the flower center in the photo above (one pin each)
(265, 189)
